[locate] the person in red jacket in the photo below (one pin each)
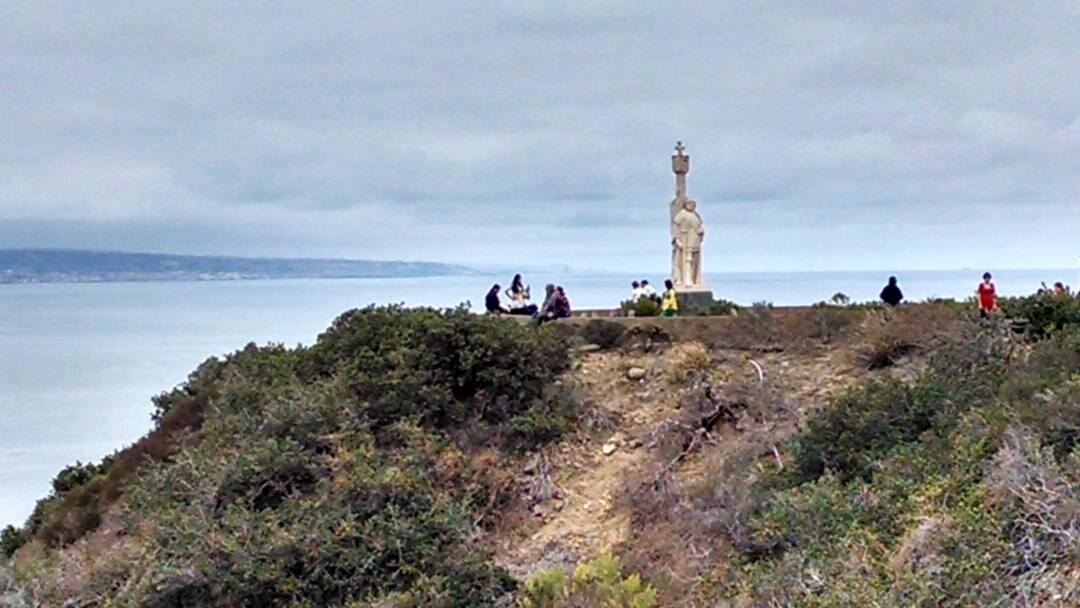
(987, 295)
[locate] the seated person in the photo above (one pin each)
(562, 304)
(649, 291)
(492, 303)
(669, 304)
(518, 293)
(547, 311)
(892, 295)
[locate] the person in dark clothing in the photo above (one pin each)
(892, 295)
(562, 304)
(491, 301)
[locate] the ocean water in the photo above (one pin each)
(80, 362)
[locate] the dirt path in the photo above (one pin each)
(585, 517)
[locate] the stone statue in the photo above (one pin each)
(687, 229)
(689, 233)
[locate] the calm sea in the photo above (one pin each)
(79, 362)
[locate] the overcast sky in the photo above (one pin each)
(822, 135)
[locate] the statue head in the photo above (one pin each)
(690, 204)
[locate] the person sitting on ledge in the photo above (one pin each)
(648, 290)
(547, 311)
(562, 304)
(669, 304)
(492, 303)
(892, 295)
(518, 293)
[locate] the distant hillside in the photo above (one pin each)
(73, 265)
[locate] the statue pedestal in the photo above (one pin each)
(694, 300)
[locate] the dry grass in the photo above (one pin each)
(1045, 498)
(887, 336)
(686, 359)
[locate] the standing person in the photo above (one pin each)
(987, 295)
(636, 292)
(669, 304)
(892, 295)
(648, 290)
(491, 301)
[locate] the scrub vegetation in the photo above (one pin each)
(833, 456)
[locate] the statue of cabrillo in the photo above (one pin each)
(687, 229)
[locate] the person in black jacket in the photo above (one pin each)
(491, 301)
(892, 295)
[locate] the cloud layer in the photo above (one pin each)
(824, 135)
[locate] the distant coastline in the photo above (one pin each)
(20, 266)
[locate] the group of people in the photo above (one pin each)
(555, 306)
(985, 293)
(669, 301)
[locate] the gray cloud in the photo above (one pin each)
(823, 134)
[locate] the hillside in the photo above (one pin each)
(818, 457)
(77, 265)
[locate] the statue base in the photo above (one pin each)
(697, 299)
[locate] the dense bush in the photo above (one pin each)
(443, 367)
(197, 382)
(347, 473)
(860, 428)
(1044, 313)
(77, 474)
(11, 538)
(641, 307)
(867, 422)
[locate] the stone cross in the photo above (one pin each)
(680, 164)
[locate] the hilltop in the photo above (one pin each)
(823, 456)
(79, 265)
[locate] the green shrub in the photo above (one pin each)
(341, 474)
(605, 334)
(11, 538)
(444, 367)
(861, 426)
(76, 475)
(641, 307)
(198, 381)
(721, 307)
(1044, 313)
(598, 582)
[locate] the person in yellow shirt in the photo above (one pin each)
(669, 305)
